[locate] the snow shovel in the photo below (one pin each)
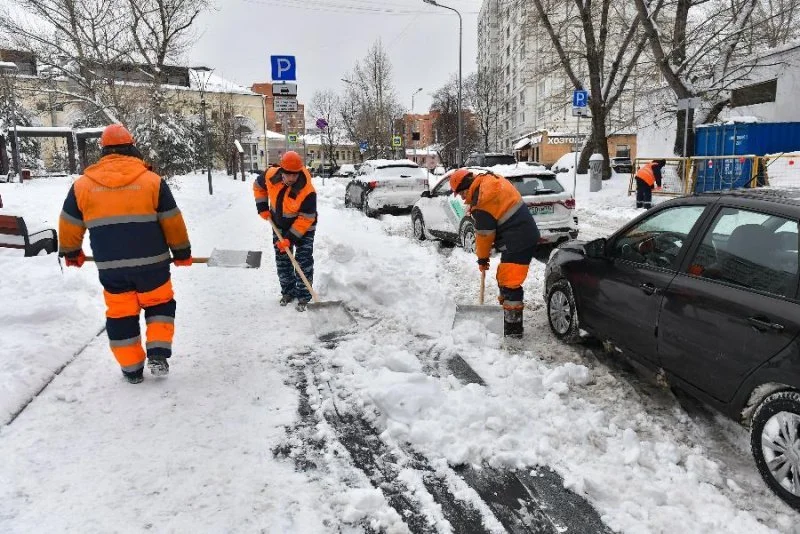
(489, 316)
(329, 319)
(243, 259)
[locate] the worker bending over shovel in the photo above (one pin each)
(285, 195)
(134, 224)
(502, 220)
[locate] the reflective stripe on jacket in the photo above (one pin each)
(131, 215)
(293, 209)
(501, 217)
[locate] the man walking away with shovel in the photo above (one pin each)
(502, 220)
(285, 194)
(133, 224)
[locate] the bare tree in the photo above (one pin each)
(483, 95)
(605, 42)
(709, 46)
(370, 104)
(445, 110)
(326, 105)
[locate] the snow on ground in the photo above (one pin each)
(193, 452)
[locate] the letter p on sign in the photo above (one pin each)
(284, 68)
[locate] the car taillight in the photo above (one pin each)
(372, 185)
(569, 203)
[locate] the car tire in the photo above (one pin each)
(778, 414)
(365, 205)
(418, 225)
(466, 236)
(562, 313)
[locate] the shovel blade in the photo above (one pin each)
(330, 319)
(491, 317)
(237, 259)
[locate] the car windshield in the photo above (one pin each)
(536, 185)
(401, 172)
(500, 159)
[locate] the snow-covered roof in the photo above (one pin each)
(391, 163)
(274, 135)
(522, 143)
(322, 139)
(215, 83)
(44, 129)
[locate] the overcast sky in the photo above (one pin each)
(329, 36)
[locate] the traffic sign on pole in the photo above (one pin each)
(397, 141)
(292, 138)
(363, 146)
(284, 89)
(284, 68)
(580, 103)
(284, 104)
(322, 124)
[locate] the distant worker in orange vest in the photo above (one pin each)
(647, 178)
(502, 221)
(286, 195)
(134, 224)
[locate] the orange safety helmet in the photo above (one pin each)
(115, 134)
(292, 162)
(458, 180)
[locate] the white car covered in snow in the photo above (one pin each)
(441, 215)
(382, 186)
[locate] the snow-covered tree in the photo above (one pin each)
(327, 105)
(176, 150)
(445, 122)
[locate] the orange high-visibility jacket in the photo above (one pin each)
(501, 217)
(650, 174)
(293, 209)
(131, 215)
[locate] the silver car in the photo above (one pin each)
(385, 186)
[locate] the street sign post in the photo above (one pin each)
(397, 141)
(293, 138)
(284, 104)
(284, 68)
(322, 124)
(580, 108)
(363, 146)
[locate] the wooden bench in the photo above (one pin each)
(14, 234)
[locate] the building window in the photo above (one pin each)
(623, 151)
(542, 87)
(751, 95)
(522, 98)
(541, 113)
(508, 51)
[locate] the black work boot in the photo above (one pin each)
(158, 365)
(301, 305)
(286, 299)
(512, 325)
(134, 377)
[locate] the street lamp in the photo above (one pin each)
(460, 41)
(201, 76)
(8, 68)
(414, 121)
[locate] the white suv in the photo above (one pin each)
(382, 186)
(441, 215)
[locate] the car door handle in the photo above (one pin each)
(649, 289)
(763, 324)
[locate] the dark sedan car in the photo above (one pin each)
(702, 290)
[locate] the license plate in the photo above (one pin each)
(542, 210)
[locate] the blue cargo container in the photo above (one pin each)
(746, 139)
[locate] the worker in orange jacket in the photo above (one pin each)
(134, 224)
(503, 221)
(286, 195)
(647, 178)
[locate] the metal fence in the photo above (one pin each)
(684, 176)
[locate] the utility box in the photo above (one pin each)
(595, 173)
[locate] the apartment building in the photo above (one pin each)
(534, 94)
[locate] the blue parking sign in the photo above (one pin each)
(284, 68)
(580, 99)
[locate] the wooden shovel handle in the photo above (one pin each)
(294, 263)
(194, 260)
(483, 287)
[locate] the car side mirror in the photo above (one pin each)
(596, 249)
(426, 194)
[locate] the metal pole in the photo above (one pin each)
(207, 147)
(285, 133)
(17, 162)
(575, 175)
(460, 104)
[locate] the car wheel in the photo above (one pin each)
(467, 235)
(418, 225)
(365, 205)
(775, 443)
(562, 314)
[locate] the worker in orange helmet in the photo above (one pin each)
(136, 230)
(503, 221)
(286, 195)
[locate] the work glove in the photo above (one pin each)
(266, 215)
(77, 261)
(183, 263)
(283, 245)
(483, 264)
